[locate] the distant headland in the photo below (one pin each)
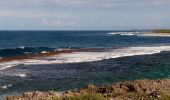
(157, 32)
(161, 31)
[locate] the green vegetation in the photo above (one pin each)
(161, 31)
(128, 90)
(144, 96)
(165, 95)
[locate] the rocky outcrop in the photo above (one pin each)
(151, 88)
(36, 96)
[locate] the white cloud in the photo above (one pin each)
(83, 13)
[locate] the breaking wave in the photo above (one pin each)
(125, 33)
(20, 75)
(22, 51)
(86, 56)
(6, 86)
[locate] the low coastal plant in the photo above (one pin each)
(161, 31)
(165, 95)
(128, 90)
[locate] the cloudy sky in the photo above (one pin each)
(84, 14)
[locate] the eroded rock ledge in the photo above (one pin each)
(139, 89)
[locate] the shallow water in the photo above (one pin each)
(119, 58)
(70, 76)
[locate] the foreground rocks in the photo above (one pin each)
(128, 90)
(35, 96)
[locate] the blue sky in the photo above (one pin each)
(84, 14)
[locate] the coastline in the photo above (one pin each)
(138, 89)
(155, 34)
(45, 54)
(80, 55)
(83, 55)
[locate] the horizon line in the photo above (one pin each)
(150, 29)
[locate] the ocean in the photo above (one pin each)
(64, 60)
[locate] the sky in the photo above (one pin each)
(84, 14)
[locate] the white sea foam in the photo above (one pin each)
(6, 86)
(20, 75)
(6, 65)
(112, 33)
(124, 33)
(21, 47)
(61, 49)
(77, 57)
(44, 52)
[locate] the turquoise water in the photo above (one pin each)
(65, 76)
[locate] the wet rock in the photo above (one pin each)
(155, 94)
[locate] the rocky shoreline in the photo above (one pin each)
(128, 90)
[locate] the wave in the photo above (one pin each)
(86, 56)
(6, 86)
(139, 34)
(22, 51)
(20, 75)
(125, 33)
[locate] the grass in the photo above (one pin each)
(106, 93)
(161, 31)
(165, 95)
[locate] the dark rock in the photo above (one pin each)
(155, 94)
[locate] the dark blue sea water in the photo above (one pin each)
(13, 42)
(22, 77)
